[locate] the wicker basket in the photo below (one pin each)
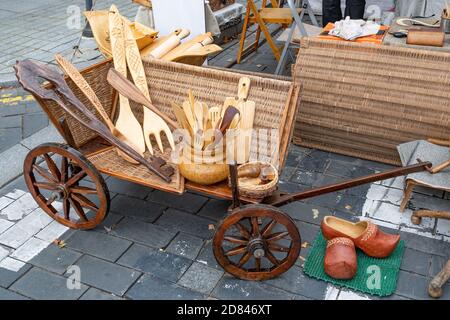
(258, 191)
(363, 100)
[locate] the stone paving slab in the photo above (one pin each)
(162, 264)
(40, 284)
(105, 275)
(149, 287)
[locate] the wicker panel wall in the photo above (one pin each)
(362, 100)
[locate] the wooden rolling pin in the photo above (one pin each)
(166, 44)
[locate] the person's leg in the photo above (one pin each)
(331, 11)
(355, 9)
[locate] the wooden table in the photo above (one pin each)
(390, 40)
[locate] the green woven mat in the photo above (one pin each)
(374, 276)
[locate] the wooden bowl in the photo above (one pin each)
(257, 191)
(211, 170)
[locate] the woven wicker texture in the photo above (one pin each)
(275, 105)
(363, 100)
(109, 162)
(276, 102)
(96, 77)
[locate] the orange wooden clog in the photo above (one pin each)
(340, 258)
(364, 234)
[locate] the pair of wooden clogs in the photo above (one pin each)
(343, 236)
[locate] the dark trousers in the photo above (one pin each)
(331, 10)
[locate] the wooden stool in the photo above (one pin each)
(274, 15)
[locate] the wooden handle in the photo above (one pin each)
(243, 88)
(129, 90)
(82, 84)
(440, 167)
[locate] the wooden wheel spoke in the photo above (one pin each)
(79, 210)
(258, 264)
(266, 230)
(279, 248)
(236, 240)
(84, 202)
(52, 166)
(64, 169)
(277, 236)
(272, 258)
(255, 226)
(235, 251)
(77, 177)
(46, 185)
(44, 173)
(66, 209)
(244, 259)
(243, 230)
(83, 190)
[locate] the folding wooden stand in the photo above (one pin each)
(273, 15)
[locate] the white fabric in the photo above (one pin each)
(351, 29)
(229, 13)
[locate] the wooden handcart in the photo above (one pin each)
(255, 241)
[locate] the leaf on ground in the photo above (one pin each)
(315, 213)
(348, 207)
(305, 244)
(60, 243)
(211, 227)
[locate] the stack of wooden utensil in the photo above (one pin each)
(208, 126)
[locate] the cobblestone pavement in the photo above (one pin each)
(38, 30)
(155, 245)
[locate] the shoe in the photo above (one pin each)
(340, 259)
(365, 235)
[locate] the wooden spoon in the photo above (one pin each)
(82, 84)
(227, 119)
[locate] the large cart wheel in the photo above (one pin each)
(257, 242)
(63, 190)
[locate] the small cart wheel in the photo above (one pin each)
(257, 242)
(64, 181)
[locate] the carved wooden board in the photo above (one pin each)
(126, 121)
(153, 124)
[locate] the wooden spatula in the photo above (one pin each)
(82, 84)
(126, 122)
(243, 87)
(227, 119)
(244, 139)
(153, 124)
(129, 90)
(181, 117)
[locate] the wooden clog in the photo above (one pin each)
(340, 258)
(365, 234)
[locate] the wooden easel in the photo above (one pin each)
(273, 15)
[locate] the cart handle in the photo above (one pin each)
(279, 200)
